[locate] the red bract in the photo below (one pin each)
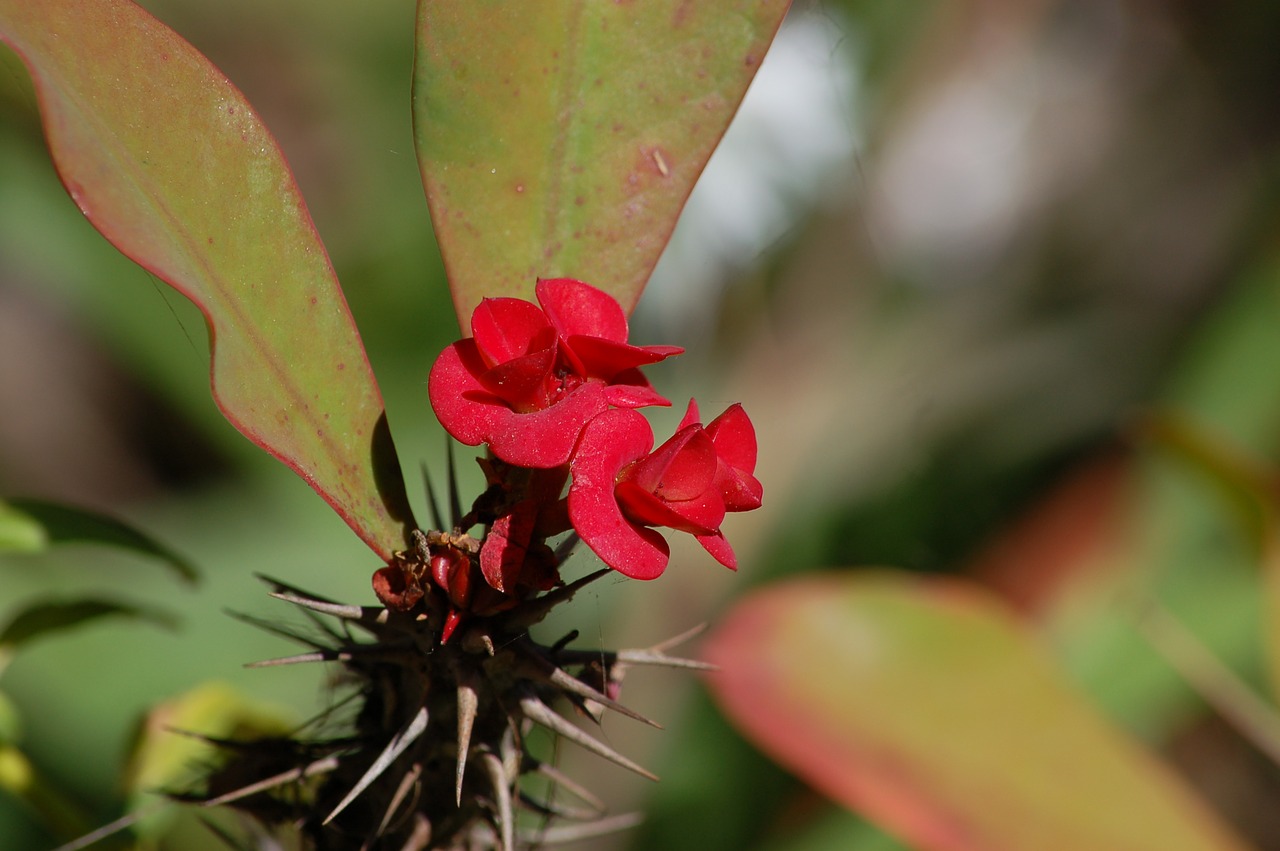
(621, 489)
(515, 559)
(528, 379)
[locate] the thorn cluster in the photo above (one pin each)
(437, 752)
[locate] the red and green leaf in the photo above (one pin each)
(169, 162)
(562, 138)
(928, 707)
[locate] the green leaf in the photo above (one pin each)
(52, 523)
(167, 159)
(10, 722)
(20, 532)
(40, 619)
(925, 705)
(561, 139)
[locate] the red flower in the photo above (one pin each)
(529, 379)
(621, 489)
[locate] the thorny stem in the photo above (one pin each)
(451, 684)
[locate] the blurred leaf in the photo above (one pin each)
(926, 706)
(64, 524)
(20, 532)
(21, 779)
(164, 758)
(1250, 485)
(561, 139)
(166, 158)
(40, 619)
(1246, 481)
(1271, 613)
(1066, 539)
(835, 829)
(10, 721)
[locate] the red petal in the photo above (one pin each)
(735, 441)
(682, 468)
(735, 438)
(719, 549)
(632, 390)
(545, 438)
(740, 491)
(523, 381)
(473, 415)
(508, 328)
(691, 416)
(610, 442)
(458, 398)
(505, 547)
(577, 308)
(602, 358)
(700, 516)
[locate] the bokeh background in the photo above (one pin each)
(953, 257)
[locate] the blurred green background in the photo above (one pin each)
(945, 256)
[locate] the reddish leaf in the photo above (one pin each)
(928, 707)
(1067, 539)
(169, 162)
(562, 138)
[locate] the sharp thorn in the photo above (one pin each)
(320, 766)
(631, 657)
(563, 642)
(567, 783)
(402, 791)
(364, 616)
(322, 624)
(433, 502)
(274, 629)
(562, 679)
(455, 500)
(574, 832)
(549, 808)
(123, 823)
(676, 641)
(539, 712)
(565, 547)
(318, 656)
(502, 799)
(285, 587)
(650, 657)
(337, 610)
(573, 685)
(398, 744)
(468, 705)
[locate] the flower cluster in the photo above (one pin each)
(552, 390)
(528, 379)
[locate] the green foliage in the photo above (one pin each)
(39, 619)
(20, 532)
(32, 526)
